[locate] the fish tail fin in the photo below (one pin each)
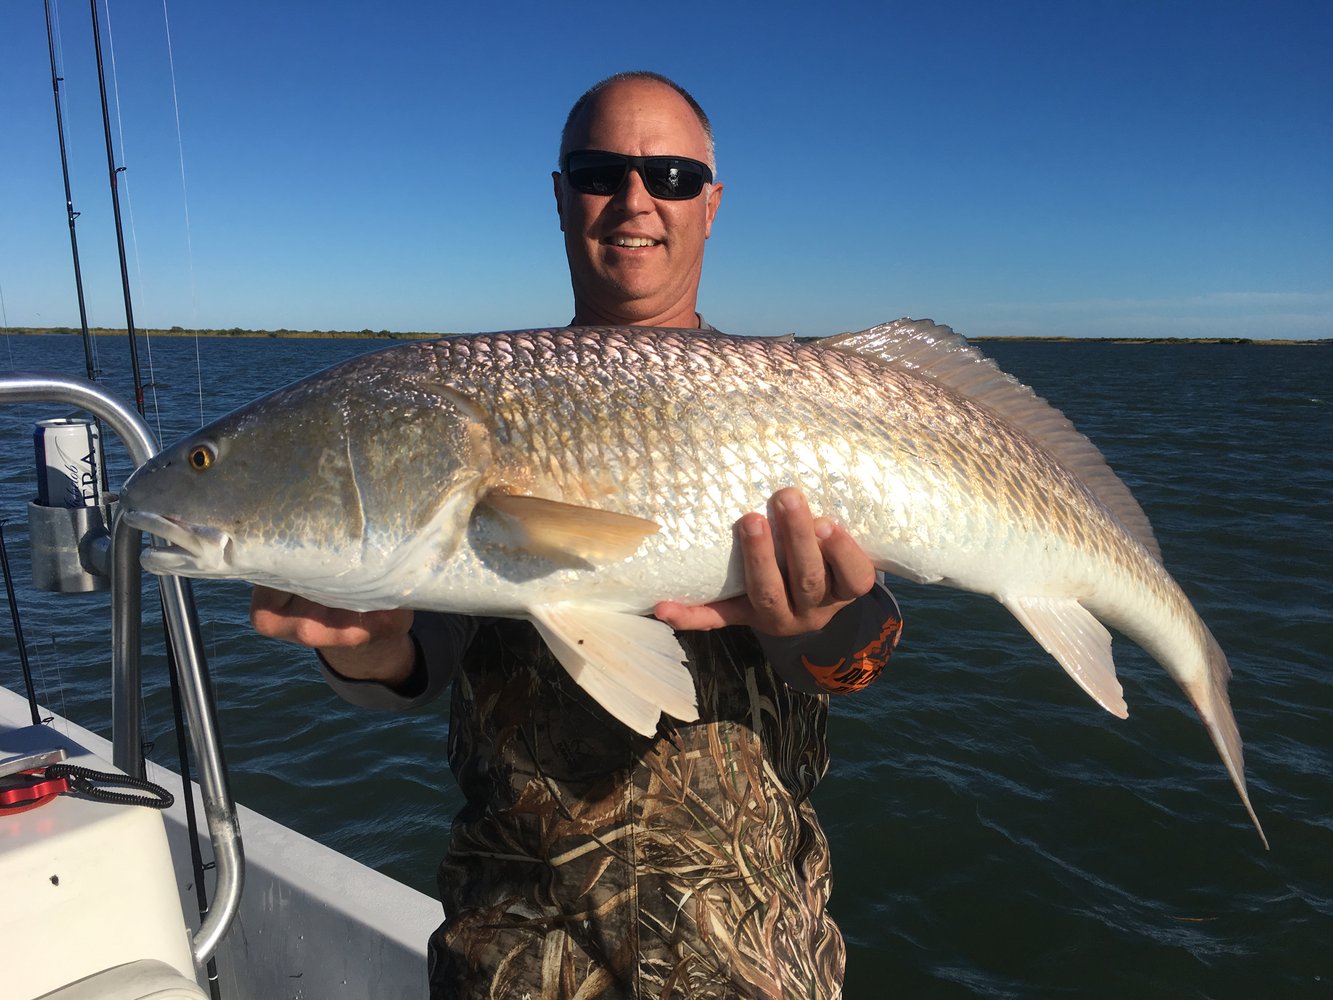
(1082, 645)
(1214, 707)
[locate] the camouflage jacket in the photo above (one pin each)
(592, 862)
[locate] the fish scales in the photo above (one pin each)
(578, 476)
(778, 409)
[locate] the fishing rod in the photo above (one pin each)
(173, 670)
(196, 860)
(69, 199)
(18, 629)
(112, 172)
(89, 361)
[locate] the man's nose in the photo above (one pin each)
(633, 195)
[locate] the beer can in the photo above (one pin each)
(69, 462)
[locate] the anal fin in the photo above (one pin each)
(1081, 644)
(633, 666)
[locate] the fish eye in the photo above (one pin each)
(201, 456)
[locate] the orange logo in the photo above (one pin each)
(852, 673)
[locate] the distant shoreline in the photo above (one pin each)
(177, 331)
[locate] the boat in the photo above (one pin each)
(100, 896)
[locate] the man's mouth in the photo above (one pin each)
(630, 241)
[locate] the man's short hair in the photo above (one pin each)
(639, 74)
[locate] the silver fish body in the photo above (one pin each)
(578, 476)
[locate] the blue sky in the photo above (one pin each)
(1076, 168)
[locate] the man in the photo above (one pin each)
(589, 859)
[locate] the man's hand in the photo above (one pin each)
(370, 645)
(799, 572)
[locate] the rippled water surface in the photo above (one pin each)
(994, 833)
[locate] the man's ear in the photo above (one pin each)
(714, 200)
(559, 198)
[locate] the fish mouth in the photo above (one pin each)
(180, 548)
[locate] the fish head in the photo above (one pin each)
(327, 488)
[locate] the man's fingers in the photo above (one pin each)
(851, 571)
(704, 617)
(295, 619)
(799, 571)
(270, 612)
(765, 586)
(807, 581)
(298, 620)
(268, 599)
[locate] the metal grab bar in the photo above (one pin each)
(183, 633)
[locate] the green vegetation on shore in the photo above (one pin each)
(177, 331)
(1318, 342)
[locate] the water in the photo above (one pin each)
(994, 833)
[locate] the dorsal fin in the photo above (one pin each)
(927, 348)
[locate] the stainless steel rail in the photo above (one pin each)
(183, 631)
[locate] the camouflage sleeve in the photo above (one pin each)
(847, 654)
(440, 640)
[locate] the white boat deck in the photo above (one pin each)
(312, 922)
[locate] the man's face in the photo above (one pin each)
(634, 259)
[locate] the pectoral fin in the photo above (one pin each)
(633, 666)
(566, 531)
(1080, 643)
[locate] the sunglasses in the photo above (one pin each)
(670, 178)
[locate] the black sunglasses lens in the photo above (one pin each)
(596, 174)
(672, 179)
